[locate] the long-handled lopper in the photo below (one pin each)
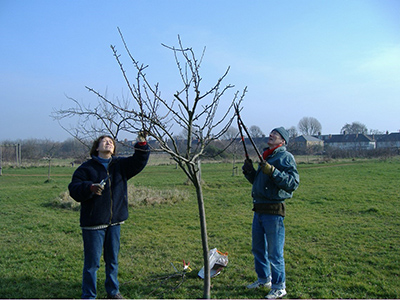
(241, 125)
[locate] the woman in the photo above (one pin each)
(100, 185)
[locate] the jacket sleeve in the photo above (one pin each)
(79, 188)
(134, 164)
(286, 176)
(250, 176)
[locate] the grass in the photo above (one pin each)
(342, 233)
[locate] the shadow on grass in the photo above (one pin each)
(158, 287)
(27, 287)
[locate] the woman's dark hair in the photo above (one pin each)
(96, 143)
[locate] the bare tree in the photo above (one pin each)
(256, 131)
(191, 109)
(292, 132)
(354, 128)
(231, 133)
(1, 160)
(376, 132)
(309, 126)
(50, 148)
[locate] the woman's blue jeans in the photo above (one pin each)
(268, 239)
(93, 243)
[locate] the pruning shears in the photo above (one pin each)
(104, 182)
(241, 125)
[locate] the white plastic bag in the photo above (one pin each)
(217, 260)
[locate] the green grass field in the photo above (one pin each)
(342, 234)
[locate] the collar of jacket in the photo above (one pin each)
(96, 158)
(275, 150)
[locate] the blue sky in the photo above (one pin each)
(336, 60)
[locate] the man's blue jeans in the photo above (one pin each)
(268, 239)
(93, 243)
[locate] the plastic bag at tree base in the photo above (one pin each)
(217, 261)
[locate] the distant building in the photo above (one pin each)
(349, 141)
(391, 140)
(304, 142)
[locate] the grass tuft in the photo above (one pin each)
(64, 200)
(138, 196)
(143, 196)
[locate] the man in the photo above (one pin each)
(100, 185)
(273, 182)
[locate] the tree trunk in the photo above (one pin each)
(204, 239)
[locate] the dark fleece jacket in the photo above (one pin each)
(112, 206)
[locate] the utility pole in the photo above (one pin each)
(16, 154)
(19, 155)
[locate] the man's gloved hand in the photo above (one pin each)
(96, 188)
(142, 136)
(266, 168)
(248, 166)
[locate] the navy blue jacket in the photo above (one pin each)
(112, 206)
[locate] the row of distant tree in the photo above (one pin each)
(310, 126)
(35, 149)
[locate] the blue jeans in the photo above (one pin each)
(93, 243)
(268, 239)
